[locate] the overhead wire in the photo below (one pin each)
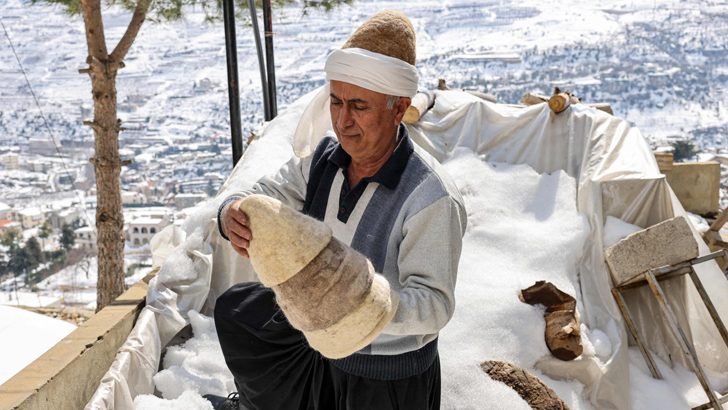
(45, 121)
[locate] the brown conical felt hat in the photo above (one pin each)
(388, 32)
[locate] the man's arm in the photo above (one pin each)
(288, 186)
(428, 263)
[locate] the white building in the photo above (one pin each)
(141, 230)
(10, 161)
(4, 211)
(86, 239)
(130, 197)
(31, 217)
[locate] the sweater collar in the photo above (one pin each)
(391, 172)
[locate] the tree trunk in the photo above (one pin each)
(107, 162)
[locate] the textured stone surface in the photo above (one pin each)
(667, 243)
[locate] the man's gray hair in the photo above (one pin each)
(391, 100)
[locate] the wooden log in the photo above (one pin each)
(421, 103)
(606, 107)
(531, 389)
(563, 332)
(533, 99)
(484, 96)
(560, 102)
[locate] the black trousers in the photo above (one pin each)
(275, 369)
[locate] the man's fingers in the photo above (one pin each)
(241, 251)
(234, 227)
(238, 241)
(235, 213)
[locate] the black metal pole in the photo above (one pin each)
(261, 63)
(269, 63)
(231, 51)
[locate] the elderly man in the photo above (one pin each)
(387, 199)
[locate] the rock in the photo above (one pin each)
(667, 243)
(563, 333)
(531, 389)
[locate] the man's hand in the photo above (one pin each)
(235, 227)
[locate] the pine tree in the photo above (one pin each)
(103, 68)
(68, 237)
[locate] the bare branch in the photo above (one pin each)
(84, 70)
(140, 13)
(96, 126)
(95, 37)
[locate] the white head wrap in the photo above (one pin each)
(363, 68)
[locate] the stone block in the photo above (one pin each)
(667, 243)
(696, 185)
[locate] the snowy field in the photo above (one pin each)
(25, 336)
(510, 208)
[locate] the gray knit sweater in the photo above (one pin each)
(408, 219)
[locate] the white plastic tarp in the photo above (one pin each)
(616, 175)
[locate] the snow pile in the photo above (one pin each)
(25, 336)
(179, 267)
(187, 401)
(700, 224)
(616, 229)
(522, 227)
(193, 369)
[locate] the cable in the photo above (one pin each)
(53, 140)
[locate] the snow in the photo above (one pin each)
(25, 336)
(187, 401)
(179, 266)
(522, 227)
(616, 229)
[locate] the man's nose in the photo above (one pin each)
(345, 119)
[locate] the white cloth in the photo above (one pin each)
(373, 71)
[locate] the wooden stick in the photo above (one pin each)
(560, 102)
(421, 103)
(606, 107)
(533, 99)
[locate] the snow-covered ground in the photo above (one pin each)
(74, 285)
(25, 336)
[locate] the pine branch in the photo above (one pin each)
(140, 13)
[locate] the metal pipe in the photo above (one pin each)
(261, 63)
(269, 63)
(231, 52)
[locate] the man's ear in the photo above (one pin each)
(400, 108)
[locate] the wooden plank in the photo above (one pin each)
(709, 305)
(664, 161)
(719, 221)
(633, 329)
(685, 345)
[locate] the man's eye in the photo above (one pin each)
(335, 103)
(360, 108)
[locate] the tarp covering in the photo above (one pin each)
(616, 175)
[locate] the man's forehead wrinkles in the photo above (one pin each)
(352, 100)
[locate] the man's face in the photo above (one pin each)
(366, 129)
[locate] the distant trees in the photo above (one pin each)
(21, 258)
(44, 232)
(682, 150)
(68, 237)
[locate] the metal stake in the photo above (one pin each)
(261, 63)
(231, 52)
(269, 63)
